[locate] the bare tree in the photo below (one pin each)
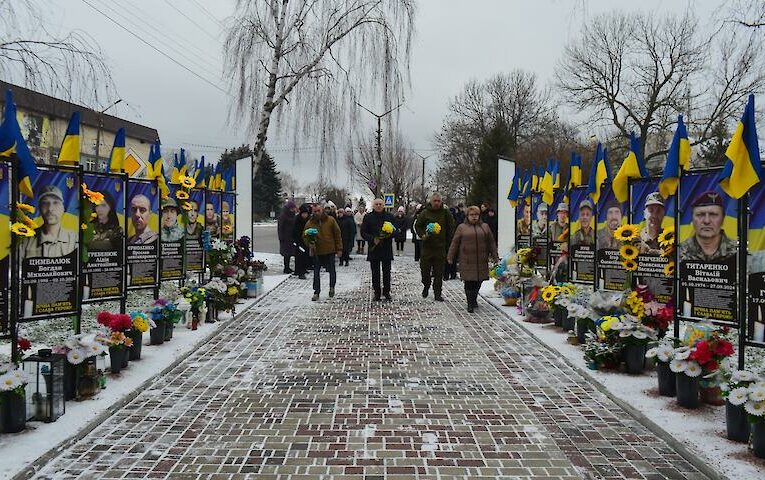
(290, 184)
(313, 60)
(747, 13)
(69, 65)
(634, 71)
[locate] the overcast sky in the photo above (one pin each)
(456, 40)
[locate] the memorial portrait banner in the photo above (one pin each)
(755, 331)
(213, 201)
(103, 272)
(171, 238)
(194, 259)
(582, 236)
(611, 215)
(228, 219)
(5, 245)
(707, 249)
(523, 223)
(49, 260)
(539, 226)
(557, 236)
(143, 233)
(652, 213)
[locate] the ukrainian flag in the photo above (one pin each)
(547, 183)
(632, 167)
(117, 161)
(179, 167)
(199, 173)
(742, 170)
(515, 189)
(678, 158)
(159, 171)
(70, 147)
(556, 174)
(218, 181)
(528, 182)
(575, 179)
(600, 172)
(11, 141)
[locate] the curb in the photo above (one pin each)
(32, 469)
(685, 452)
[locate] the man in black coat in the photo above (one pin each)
(302, 257)
(380, 254)
(347, 232)
(284, 227)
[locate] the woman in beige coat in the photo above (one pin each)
(474, 245)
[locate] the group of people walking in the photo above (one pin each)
(444, 239)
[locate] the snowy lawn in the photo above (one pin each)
(21, 449)
(702, 430)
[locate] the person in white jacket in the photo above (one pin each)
(358, 217)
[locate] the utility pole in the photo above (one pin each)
(100, 126)
(423, 172)
(378, 167)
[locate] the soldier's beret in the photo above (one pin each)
(705, 199)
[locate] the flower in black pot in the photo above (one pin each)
(141, 325)
(13, 405)
(663, 353)
(755, 409)
(118, 344)
(687, 376)
(634, 336)
(735, 389)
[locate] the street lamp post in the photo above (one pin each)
(378, 167)
(423, 172)
(101, 125)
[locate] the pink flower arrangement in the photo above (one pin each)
(116, 322)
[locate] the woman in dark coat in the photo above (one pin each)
(302, 257)
(347, 232)
(284, 227)
(400, 222)
(474, 243)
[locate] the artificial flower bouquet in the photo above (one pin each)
(13, 379)
(527, 260)
(632, 332)
(599, 354)
(117, 340)
(311, 235)
(744, 388)
(222, 293)
(386, 231)
(433, 228)
(195, 296)
(115, 322)
(219, 254)
(79, 347)
(141, 322)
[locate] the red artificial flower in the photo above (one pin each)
(711, 366)
(104, 318)
(121, 322)
(701, 353)
(24, 344)
(724, 348)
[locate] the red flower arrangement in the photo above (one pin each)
(709, 353)
(116, 322)
(24, 344)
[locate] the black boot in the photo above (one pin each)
(425, 291)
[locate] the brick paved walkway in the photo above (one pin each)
(348, 388)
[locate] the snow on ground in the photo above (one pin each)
(702, 430)
(21, 449)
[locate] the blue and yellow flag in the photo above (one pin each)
(546, 186)
(117, 157)
(678, 158)
(179, 167)
(632, 167)
(600, 173)
(158, 170)
(217, 179)
(528, 183)
(12, 141)
(556, 174)
(199, 173)
(70, 146)
(515, 189)
(575, 178)
(742, 170)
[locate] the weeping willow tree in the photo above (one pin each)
(306, 64)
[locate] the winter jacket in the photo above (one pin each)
(493, 224)
(435, 246)
(358, 217)
(474, 244)
(297, 234)
(329, 240)
(400, 223)
(347, 231)
(370, 229)
(284, 227)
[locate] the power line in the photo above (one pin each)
(209, 14)
(191, 20)
(217, 87)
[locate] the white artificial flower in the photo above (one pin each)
(741, 376)
(6, 367)
(623, 333)
(678, 366)
(693, 369)
(757, 392)
(71, 342)
(75, 357)
(8, 382)
(682, 353)
(755, 408)
(738, 396)
(664, 353)
(652, 352)
(639, 334)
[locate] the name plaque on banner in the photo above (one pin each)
(193, 232)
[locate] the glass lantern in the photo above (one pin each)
(46, 383)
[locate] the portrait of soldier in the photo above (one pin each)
(51, 240)
(709, 241)
(193, 228)
(140, 215)
(212, 220)
(586, 234)
(559, 226)
(613, 221)
(228, 224)
(654, 215)
(524, 224)
(171, 231)
(540, 225)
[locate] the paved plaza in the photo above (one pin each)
(350, 388)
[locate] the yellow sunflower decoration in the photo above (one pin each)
(630, 265)
(22, 230)
(187, 182)
(548, 293)
(669, 269)
(629, 252)
(28, 222)
(25, 207)
(667, 250)
(181, 195)
(627, 233)
(667, 237)
(186, 206)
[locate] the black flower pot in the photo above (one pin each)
(667, 384)
(13, 412)
(736, 423)
(125, 357)
(558, 316)
(687, 390)
(758, 439)
(157, 334)
(116, 359)
(70, 381)
(169, 326)
(634, 359)
(582, 327)
(135, 349)
(569, 323)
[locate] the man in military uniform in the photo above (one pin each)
(434, 245)
(524, 224)
(140, 213)
(613, 221)
(171, 231)
(709, 241)
(540, 226)
(654, 215)
(559, 227)
(51, 240)
(586, 234)
(193, 227)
